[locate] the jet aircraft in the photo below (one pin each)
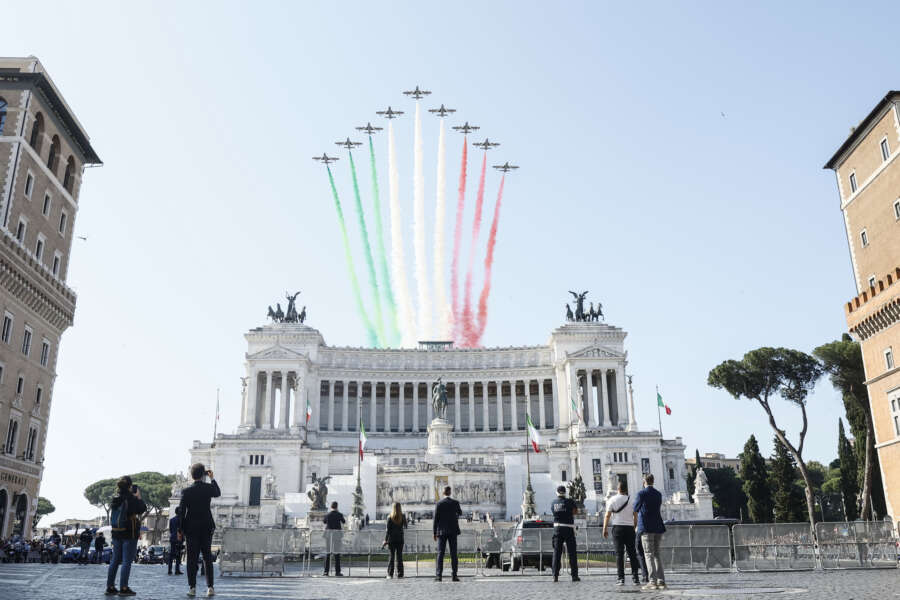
(442, 112)
(466, 129)
(389, 114)
(325, 158)
(369, 129)
(348, 144)
(417, 93)
(486, 144)
(506, 167)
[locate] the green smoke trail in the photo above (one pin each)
(370, 265)
(354, 283)
(386, 287)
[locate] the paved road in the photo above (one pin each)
(73, 582)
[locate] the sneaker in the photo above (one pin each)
(649, 587)
(192, 592)
(454, 578)
(662, 585)
(338, 574)
(556, 579)
(620, 582)
(127, 591)
(111, 591)
(389, 577)
(576, 578)
(210, 592)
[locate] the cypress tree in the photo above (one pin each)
(699, 463)
(756, 483)
(849, 471)
(788, 497)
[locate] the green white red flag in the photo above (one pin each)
(362, 439)
(575, 409)
(533, 434)
(308, 410)
(662, 404)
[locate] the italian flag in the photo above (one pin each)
(533, 434)
(575, 409)
(662, 404)
(362, 439)
(308, 410)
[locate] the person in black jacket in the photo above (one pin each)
(176, 542)
(393, 539)
(334, 524)
(125, 533)
(197, 525)
(84, 540)
(445, 528)
(99, 545)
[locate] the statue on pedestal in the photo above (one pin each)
(528, 508)
(701, 485)
(318, 493)
(439, 399)
(271, 490)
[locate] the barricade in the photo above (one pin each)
(259, 551)
(774, 547)
(696, 548)
(857, 545)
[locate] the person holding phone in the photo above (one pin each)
(125, 512)
(197, 525)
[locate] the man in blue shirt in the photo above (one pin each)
(651, 529)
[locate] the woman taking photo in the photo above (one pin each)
(393, 539)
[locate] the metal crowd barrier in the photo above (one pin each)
(857, 545)
(696, 548)
(774, 547)
(260, 551)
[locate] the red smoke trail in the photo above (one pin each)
(457, 239)
(488, 265)
(469, 328)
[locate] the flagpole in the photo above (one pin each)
(216, 422)
(658, 414)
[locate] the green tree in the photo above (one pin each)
(100, 494)
(849, 487)
(156, 490)
(842, 360)
(787, 495)
(44, 507)
(764, 374)
(756, 483)
(728, 496)
(698, 464)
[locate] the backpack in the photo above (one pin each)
(118, 517)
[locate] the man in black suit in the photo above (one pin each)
(334, 525)
(197, 525)
(445, 529)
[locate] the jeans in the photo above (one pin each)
(174, 556)
(199, 543)
(652, 542)
(123, 554)
(641, 559)
(623, 538)
(564, 535)
(396, 550)
(443, 541)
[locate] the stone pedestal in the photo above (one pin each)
(271, 512)
(440, 444)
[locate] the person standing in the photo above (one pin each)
(125, 513)
(393, 539)
(84, 541)
(334, 533)
(445, 529)
(623, 522)
(564, 511)
(176, 542)
(650, 527)
(99, 545)
(197, 525)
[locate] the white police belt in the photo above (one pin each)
(572, 525)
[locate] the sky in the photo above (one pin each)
(671, 163)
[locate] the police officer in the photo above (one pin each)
(564, 510)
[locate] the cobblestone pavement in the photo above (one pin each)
(73, 582)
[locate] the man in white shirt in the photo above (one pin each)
(623, 519)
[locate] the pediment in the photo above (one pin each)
(596, 352)
(276, 353)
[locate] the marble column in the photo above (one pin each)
(604, 399)
(429, 408)
(285, 401)
(299, 399)
(331, 405)
(345, 401)
(485, 393)
(359, 401)
(541, 409)
(401, 418)
(270, 401)
(558, 416)
(587, 386)
(415, 406)
(457, 418)
(373, 388)
(471, 385)
(513, 406)
(387, 406)
(498, 385)
(573, 393)
(252, 399)
(621, 396)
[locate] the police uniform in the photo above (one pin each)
(563, 510)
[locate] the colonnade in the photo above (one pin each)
(274, 400)
(602, 392)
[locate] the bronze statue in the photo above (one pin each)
(439, 399)
(579, 305)
(318, 493)
(302, 316)
(569, 315)
(290, 316)
(271, 313)
(600, 312)
(279, 314)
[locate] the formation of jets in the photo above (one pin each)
(443, 111)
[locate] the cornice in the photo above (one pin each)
(33, 285)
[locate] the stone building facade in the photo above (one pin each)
(868, 181)
(43, 152)
(575, 390)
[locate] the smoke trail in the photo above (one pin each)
(488, 266)
(419, 231)
(407, 317)
(440, 288)
(392, 332)
(370, 264)
(354, 283)
(468, 325)
(457, 240)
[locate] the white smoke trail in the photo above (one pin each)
(440, 289)
(425, 324)
(398, 262)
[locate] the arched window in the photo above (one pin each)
(2, 114)
(37, 133)
(3, 502)
(53, 158)
(69, 177)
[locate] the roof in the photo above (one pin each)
(862, 128)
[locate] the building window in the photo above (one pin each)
(38, 395)
(39, 248)
(37, 132)
(597, 469)
(671, 473)
(26, 341)
(871, 281)
(853, 182)
(11, 433)
(29, 185)
(20, 385)
(45, 207)
(895, 415)
(45, 353)
(885, 150)
(69, 177)
(2, 114)
(255, 491)
(564, 475)
(63, 217)
(864, 238)
(32, 442)
(6, 332)
(20, 230)
(53, 157)
(2, 370)
(56, 257)
(889, 359)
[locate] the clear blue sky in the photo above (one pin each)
(704, 236)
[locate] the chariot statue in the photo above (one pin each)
(439, 399)
(318, 493)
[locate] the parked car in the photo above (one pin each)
(154, 555)
(531, 544)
